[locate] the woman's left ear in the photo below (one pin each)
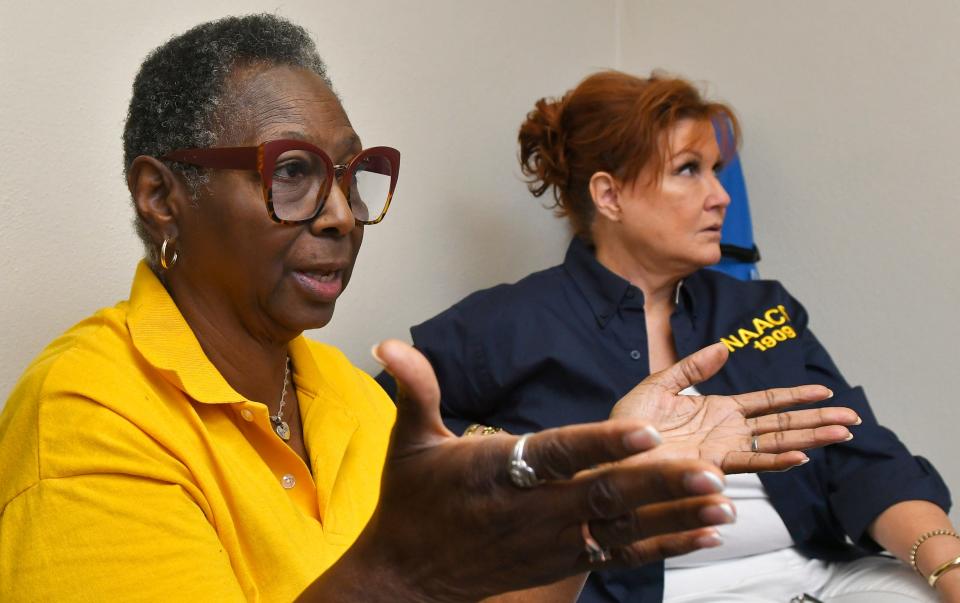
(605, 192)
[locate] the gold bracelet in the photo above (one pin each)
(923, 538)
(481, 430)
(943, 569)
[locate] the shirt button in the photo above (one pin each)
(246, 414)
(288, 481)
(631, 293)
(635, 354)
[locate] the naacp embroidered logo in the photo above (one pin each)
(766, 331)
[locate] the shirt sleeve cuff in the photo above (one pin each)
(865, 494)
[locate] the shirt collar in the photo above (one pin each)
(167, 342)
(606, 291)
(602, 289)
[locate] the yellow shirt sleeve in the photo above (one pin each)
(106, 513)
(165, 551)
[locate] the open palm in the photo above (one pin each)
(742, 433)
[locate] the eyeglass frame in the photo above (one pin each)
(263, 158)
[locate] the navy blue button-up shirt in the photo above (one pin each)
(563, 345)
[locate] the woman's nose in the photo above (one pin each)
(336, 215)
(718, 196)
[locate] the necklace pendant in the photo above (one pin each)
(283, 430)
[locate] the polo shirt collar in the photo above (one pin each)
(603, 290)
(161, 334)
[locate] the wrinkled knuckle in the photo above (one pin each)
(555, 460)
(604, 499)
(632, 555)
(628, 526)
(690, 370)
(678, 546)
(645, 551)
(784, 421)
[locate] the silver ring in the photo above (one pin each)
(521, 474)
(595, 552)
(755, 445)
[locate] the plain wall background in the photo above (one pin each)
(850, 126)
(850, 121)
(447, 83)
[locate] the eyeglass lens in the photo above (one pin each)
(299, 176)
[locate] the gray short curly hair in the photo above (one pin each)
(180, 88)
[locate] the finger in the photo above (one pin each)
(562, 452)
(418, 395)
(617, 490)
(663, 518)
(800, 439)
(755, 462)
(803, 419)
(771, 400)
(695, 368)
(657, 548)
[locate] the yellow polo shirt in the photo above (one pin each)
(131, 470)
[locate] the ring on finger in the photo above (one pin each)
(595, 552)
(755, 445)
(521, 474)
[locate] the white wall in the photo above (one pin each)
(850, 153)
(849, 112)
(447, 83)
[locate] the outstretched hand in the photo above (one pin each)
(451, 526)
(723, 429)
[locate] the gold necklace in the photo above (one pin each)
(279, 425)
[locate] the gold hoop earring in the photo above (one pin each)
(166, 265)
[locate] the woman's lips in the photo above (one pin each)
(324, 285)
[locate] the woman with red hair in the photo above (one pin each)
(632, 163)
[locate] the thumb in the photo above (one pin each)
(418, 395)
(695, 368)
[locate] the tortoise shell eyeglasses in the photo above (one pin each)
(296, 177)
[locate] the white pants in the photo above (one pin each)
(779, 576)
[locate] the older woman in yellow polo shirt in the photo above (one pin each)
(190, 444)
